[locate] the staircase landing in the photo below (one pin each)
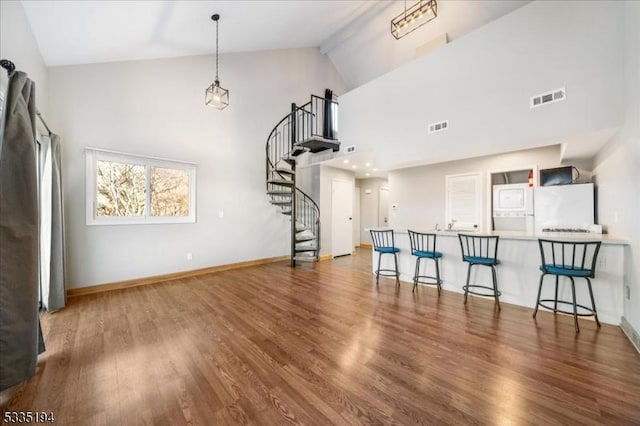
(318, 143)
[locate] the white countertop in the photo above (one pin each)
(515, 235)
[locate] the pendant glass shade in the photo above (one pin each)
(216, 96)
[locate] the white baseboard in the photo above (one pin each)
(632, 334)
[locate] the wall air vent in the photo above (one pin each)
(438, 127)
(350, 149)
(548, 98)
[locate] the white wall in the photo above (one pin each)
(18, 44)
(482, 83)
(156, 108)
(618, 167)
(369, 206)
(366, 49)
(419, 192)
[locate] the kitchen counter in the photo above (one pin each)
(515, 235)
(518, 272)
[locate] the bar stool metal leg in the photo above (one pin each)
(555, 304)
(575, 307)
(495, 286)
(593, 302)
(415, 276)
(535, 312)
(466, 288)
(378, 270)
(438, 274)
(395, 261)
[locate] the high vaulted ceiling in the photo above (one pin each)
(80, 32)
(354, 33)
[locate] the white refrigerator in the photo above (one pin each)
(564, 207)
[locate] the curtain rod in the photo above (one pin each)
(44, 123)
(11, 67)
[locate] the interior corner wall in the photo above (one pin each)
(482, 83)
(18, 44)
(369, 206)
(617, 171)
(419, 192)
(156, 108)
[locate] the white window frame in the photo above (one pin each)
(93, 155)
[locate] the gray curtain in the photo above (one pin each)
(20, 334)
(57, 293)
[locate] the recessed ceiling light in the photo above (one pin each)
(346, 161)
(354, 167)
(368, 164)
(375, 170)
(368, 174)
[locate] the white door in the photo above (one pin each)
(383, 208)
(463, 201)
(356, 217)
(341, 217)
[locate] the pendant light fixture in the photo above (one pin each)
(216, 96)
(414, 17)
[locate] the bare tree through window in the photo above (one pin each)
(169, 192)
(120, 189)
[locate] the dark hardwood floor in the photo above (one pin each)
(320, 344)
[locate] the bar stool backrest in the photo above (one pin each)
(422, 242)
(570, 255)
(382, 238)
(479, 246)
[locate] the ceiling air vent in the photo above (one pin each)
(438, 127)
(549, 97)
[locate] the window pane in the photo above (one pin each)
(121, 189)
(169, 192)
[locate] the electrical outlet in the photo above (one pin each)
(189, 256)
(627, 292)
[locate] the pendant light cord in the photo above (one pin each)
(217, 60)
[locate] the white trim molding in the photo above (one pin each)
(93, 155)
(630, 332)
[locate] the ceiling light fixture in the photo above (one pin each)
(216, 96)
(346, 161)
(368, 164)
(354, 167)
(413, 18)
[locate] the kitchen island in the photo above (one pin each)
(518, 271)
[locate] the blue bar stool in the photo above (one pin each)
(383, 243)
(481, 251)
(572, 260)
(423, 246)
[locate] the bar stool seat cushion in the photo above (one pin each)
(481, 260)
(427, 254)
(387, 249)
(567, 270)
